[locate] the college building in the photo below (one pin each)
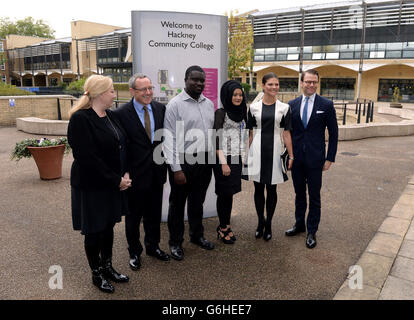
(360, 49)
(357, 47)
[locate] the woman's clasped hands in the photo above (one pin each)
(126, 182)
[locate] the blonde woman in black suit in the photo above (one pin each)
(99, 175)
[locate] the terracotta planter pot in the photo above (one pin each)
(48, 160)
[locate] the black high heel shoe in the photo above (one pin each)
(222, 235)
(267, 233)
(233, 236)
(259, 230)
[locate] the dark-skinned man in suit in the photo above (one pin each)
(311, 115)
(141, 118)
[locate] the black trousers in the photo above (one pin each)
(98, 247)
(303, 176)
(198, 178)
(260, 202)
(144, 204)
(224, 205)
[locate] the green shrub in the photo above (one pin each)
(121, 86)
(246, 87)
(10, 90)
(77, 86)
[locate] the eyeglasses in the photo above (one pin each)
(145, 89)
(311, 82)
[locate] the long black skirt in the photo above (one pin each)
(94, 211)
(228, 185)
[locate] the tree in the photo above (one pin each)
(25, 27)
(240, 44)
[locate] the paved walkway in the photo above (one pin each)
(387, 264)
(358, 193)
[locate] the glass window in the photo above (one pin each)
(346, 47)
(269, 51)
(3, 78)
(288, 84)
(330, 48)
(401, 90)
(270, 57)
(393, 54)
(377, 54)
(293, 56)
(307, 56)
(258, 58)
(346, 55)
(293, 49)
(281, 57)
(307, 49)
(332, 55)
(408, 54)
(259, 51)
(1, 46)
(2, 66)
(281, 50)
(394, 46)
(318, 56)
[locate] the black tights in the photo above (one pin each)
(224, 206)
(259, 201)
(99, 243)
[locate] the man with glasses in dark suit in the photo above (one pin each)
(141, 118)
(311, 115)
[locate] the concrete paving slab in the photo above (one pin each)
(397, 289)
(402, 211)
(403, 268)
(366, 293)
(375, 269)
(385, 244)
(394, 225)
(407, 249)
(407, 199)
(410, 232)
(409, 189)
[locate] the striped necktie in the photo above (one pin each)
(305, 113)
(147, 122)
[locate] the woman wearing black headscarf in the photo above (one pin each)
(230, 122)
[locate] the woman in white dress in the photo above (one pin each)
(268, 121)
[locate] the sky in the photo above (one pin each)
(118, 13)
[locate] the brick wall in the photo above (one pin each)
(33, 106)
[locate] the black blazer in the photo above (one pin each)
(309, 143)
(143, 170)
(96, 152)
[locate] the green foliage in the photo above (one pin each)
(10, 90)
(25, 27)
(76, 86)
(246, 87)
(240, 44)
(121, 86)
(20, 150)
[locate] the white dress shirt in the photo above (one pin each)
(310, 106)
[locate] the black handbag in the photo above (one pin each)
(284, 158)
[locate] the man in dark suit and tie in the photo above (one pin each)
(141, 118)
(311, 115)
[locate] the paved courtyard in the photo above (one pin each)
(358, 192)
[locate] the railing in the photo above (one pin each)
(115, 104)
(363, 108)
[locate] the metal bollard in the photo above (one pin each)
(58, 110)
(344, 119)
(359, 113)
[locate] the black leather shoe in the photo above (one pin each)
(135, 263)
(311, 240)
(110, 273)
(294, 231)
(177, 252)
(159, 254)
(203, 243)
(99, 280)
